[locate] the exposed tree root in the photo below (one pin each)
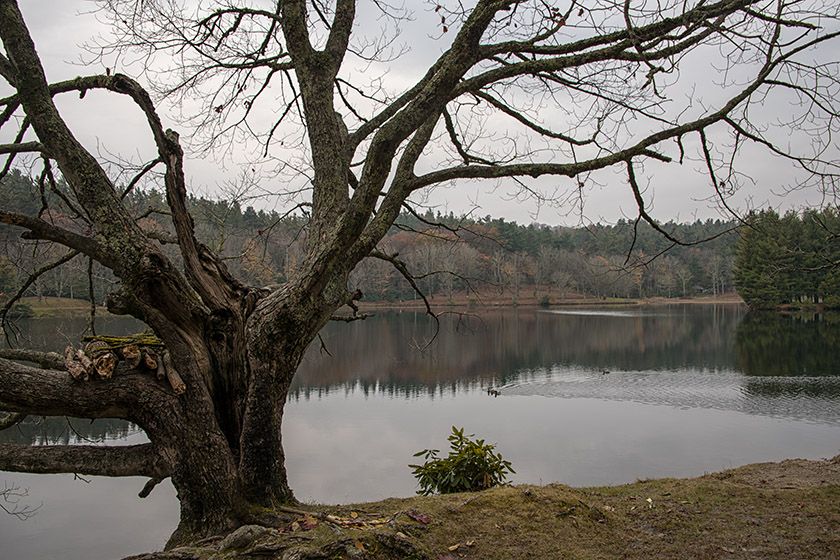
(311, 536)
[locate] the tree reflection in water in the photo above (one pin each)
(790, 356)
(41, 430)
(501, 347)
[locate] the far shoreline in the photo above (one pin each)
(49, 307)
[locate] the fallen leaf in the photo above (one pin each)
(470, 543)
(295, 526)
(308, 523)
(354, 515)
(454, 547)
(402, 535)
(419, 517)
(359, 545)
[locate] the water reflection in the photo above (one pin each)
(772, 344)
(387, 354)
(715, 357)
(40, 430)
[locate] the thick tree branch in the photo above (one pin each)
(430, 100)
(121, 460)
(208, 274)
(342, 25)
(92, 186)
(21, 147)
(401, 187)
(534, 169)
(54, 393)
(47, 360)
(641, 148)
(40, 229)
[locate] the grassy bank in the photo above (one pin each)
(770, 510)
(60, 307)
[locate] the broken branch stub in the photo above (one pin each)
(86, 362)
(104, 364)
(131, 354)
(73, 366)
(104, 360)
(150, 359)
(172, 375)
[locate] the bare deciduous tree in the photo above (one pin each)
(592, 86)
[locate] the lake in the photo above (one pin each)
(588, 397)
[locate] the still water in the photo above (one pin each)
(588, 397)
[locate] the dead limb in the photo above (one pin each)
(131, 354)
(74, 366)
(149, 486)
(104, 360)
(86, 362)
(172, 375)
(150, 359)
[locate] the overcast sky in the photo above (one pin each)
(106, 123)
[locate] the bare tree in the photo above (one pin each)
(719, 268)
(545, 267)
(591, 87)
(684, 275)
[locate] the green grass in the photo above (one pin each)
(60, 307)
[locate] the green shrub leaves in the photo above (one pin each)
(470, 466)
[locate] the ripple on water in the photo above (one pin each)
(811, 399)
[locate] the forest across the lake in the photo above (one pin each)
(449, 256)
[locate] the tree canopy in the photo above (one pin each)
(521, 90)
(790, 259)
